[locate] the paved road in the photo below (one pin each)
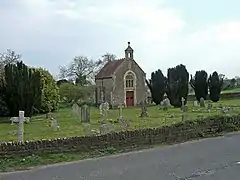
(215, 159)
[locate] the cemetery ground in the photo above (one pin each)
(70, 125)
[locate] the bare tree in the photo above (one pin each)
(79, 70)
(103, 60)
(8, 57)
(82, 70)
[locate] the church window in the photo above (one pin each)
(129, 80)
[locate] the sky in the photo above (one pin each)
(202, 35)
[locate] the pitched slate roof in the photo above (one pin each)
(109, 68)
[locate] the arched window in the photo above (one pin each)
(129, 80)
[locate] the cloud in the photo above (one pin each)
(51, 32)
(214, 48)
(146, 19)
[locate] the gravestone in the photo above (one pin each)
(202, 103)
(195, 103)
(166, 104)
(120, 112)
(87, 130)
(54, 124)
(144, 112)
(161, 103)
(209, 107)
(183, 104)
(104, 109)
(85, 113)
(106, 128)
(76, 110)
(124, 124)
(13, 132)
(21, 126)
(227, 110)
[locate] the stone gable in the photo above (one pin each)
(111, 80)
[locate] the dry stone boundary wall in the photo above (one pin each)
(128, 139)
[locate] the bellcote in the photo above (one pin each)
(129, 52)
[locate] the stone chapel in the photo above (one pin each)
(121, 81)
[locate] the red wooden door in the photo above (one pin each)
(130, 98)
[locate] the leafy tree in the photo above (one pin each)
(70, 92)
(200, 84)
(215, 84)
(157, 86)
(50, 92)
(177, 85)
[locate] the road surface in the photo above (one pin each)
(209, 159)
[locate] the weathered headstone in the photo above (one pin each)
(106, 128)
(120, 114)
(209, 107)
(144, 112)
(76, 109)
(166, 104)
(183, 104)
(202, 103)
(54, 124)
(85, 113)
(195, 103)
(161, 103)
(104, 108)
(13, 132)
(87, 130)
(21, 126)
(124, 124)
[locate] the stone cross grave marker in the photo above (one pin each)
(85, 113)
(106, 128)
(143, 109)
(21, 126)
(202, 103)
(54, 124)
(16, 120)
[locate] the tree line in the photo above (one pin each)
(34, 90)
(176, 85)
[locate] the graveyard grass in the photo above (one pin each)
(70, 126)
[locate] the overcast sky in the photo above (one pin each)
(201, 34)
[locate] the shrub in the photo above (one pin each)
(50, 92)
